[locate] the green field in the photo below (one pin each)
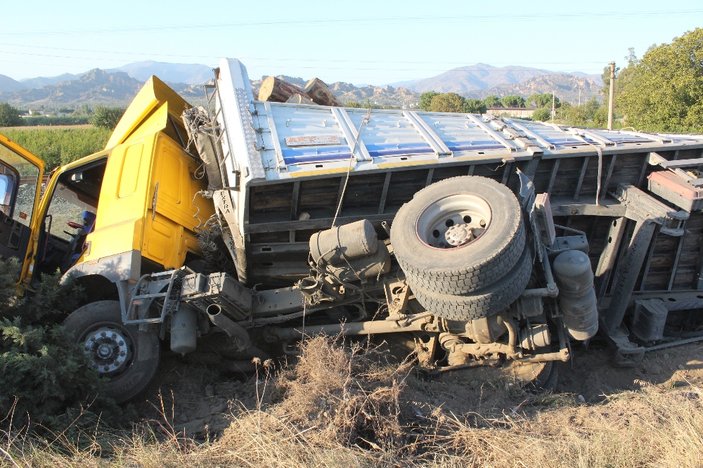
(59, 145)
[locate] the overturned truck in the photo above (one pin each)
(482, 241)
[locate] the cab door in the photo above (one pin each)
(21, 176)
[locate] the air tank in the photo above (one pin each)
(343, 243)
(577, 298)
(184, 330)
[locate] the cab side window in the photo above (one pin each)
(6, 191)
(19, 177)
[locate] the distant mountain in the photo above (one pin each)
(41, 81)
(481, 80)
(93, 87)
(386, 96)
(116, 87)
(472, 78)
(565, 86)
(8, 85)
(189, 73)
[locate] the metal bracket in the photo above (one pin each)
(642, 207)
(147, 290)
(397, 296)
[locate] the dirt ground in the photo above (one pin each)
(201, 400)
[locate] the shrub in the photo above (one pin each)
(542, 114)
(44, 376)
(106, 117)
(9, 116)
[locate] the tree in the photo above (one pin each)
(492, 101)
(474, 106)
(447, 102)
(591, 114)
(543, 100)
(513, 101)
(664, 90)
(631, 57)
(426, 100)
(9, 116)
(106, 117)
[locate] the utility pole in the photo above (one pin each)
(580, 93)
(553, 107)
(610, 96)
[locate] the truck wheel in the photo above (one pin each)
(537, 376)
(531, 376)
(479, 304)
(459, 235)
(124, 356)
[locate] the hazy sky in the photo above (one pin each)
(362, 41)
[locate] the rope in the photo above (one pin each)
(365, 121)
(599, 150)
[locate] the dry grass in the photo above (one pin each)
(340, 407)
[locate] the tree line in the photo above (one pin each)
(100, 116)
(452, 102)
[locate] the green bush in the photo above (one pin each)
(106, 117)
(590, 114)
(9, 116)
(542, 114)
(44, 377)
(474, 106)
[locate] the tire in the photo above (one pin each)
(423, 248)
(131, 357)
(535, 377)
(479, 304)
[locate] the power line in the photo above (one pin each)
(297, 60)
(503, 17)
(353, 65)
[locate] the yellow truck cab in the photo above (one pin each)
(115, 213)
(108, 218)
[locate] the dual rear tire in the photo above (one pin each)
(461, 244)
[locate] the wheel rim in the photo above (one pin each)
(454, 221)
(108, 348)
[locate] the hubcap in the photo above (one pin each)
(454, 221)
(458, 235)
(108, 349)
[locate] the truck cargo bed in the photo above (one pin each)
(291, 167)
